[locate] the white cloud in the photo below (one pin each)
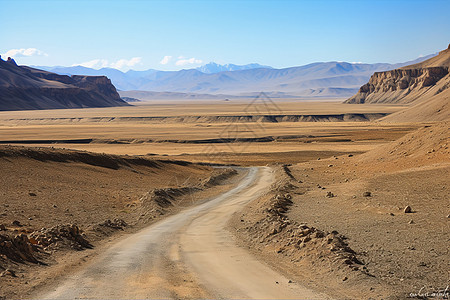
(166, 59)
(94, 64)
(24, 52)
(187, 61)
(120, 64)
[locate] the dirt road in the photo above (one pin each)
(188, 255)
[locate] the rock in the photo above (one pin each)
(345, 278)
(32, 194)
(2, 227)
(367, 194)
(11, 60)
(69, 234)
(329, 166)
(33, 241)
(16, 223)
(411, 222)
(8, 272)
(407, 209)
(350, 155)
(330, 195)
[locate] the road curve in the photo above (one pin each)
(187, 255)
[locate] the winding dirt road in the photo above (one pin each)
(188, 255)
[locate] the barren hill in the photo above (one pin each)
(436, 108)
(23, 88)
(425, 146)
(418, 82)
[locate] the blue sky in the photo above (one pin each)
(171, 35)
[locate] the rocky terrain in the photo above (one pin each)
(55, 203)
(24, 88)
(409, 84)
(373, 225)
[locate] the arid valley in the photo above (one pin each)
(378, 249)
(185, 180)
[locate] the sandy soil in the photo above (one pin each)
(47, 188)
(346, 245)
(219, 141)
(398, 255)
(188, 255)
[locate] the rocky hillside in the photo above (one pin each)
(23, 88)
(414, 83)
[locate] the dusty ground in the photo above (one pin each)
(132, 131)
(397, 253)
(189, 255)
(377, 252)
(47, 188)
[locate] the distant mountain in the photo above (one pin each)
(23, 88)
(322, 79)
(212, 67)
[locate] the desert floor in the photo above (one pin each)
(398, 255)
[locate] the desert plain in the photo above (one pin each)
(332, 218)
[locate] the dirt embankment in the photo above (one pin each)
(56, 201)
(246, 118)
(320, 259)
(389, 206)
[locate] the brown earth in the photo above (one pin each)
(340, 225)
(367, 257)
(56, 201)
(437, 108)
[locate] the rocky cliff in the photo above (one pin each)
(408, 84)
(23, 88)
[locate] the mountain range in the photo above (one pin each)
(213, 67)
(321, 79)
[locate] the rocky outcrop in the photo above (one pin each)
(418, 82)
(400, 85)
(23, 88)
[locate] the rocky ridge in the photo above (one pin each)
(408, 84)
(23, 88)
